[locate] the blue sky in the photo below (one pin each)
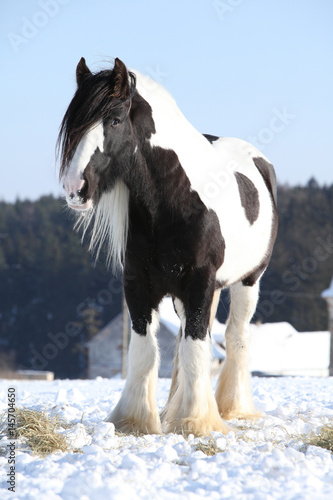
(260, 70)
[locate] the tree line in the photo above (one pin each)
(54, 297)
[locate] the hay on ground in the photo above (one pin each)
(40, 431)
(322, 438)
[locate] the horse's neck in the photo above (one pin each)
(175, 157)
(142, 187)
(173, 130)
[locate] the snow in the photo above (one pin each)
(260, 460)
(329, 292)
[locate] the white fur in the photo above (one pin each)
(193, 408)
(110, 224)
(137, 407)
(73, 180)
(233, 391)
(180, 310)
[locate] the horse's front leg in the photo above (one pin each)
(137, 410)
(192, 407)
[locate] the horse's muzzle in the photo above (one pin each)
(82, 207)
(78, 199)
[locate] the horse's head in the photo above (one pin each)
(96, 135)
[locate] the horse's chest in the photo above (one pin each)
(172, 262)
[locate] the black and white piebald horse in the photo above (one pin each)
(182, 214)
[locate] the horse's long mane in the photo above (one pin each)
(109, 221)
(92, 102)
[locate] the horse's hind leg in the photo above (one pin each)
(213, 308)
(174, 375)
(233, 393)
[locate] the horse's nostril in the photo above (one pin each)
(83, 191)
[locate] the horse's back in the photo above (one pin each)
(240, 155)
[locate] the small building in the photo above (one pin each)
(105, 350)
(26, 375)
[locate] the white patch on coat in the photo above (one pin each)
(73, 179)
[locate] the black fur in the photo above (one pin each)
(249, 197)
(211, 138)
(268, 174)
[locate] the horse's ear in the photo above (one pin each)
(82, 71)
(121, 89)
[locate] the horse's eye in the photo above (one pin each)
(115, 122)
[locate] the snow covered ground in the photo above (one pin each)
(261, 460)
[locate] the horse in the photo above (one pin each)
(180, 214)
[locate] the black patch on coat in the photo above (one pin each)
(268, 174)
(211, 138)
(174, 246)
(249, 197)
(266, 169)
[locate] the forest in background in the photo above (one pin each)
(53, 298)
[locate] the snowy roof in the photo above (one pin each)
(329, 292)
(112, 327)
